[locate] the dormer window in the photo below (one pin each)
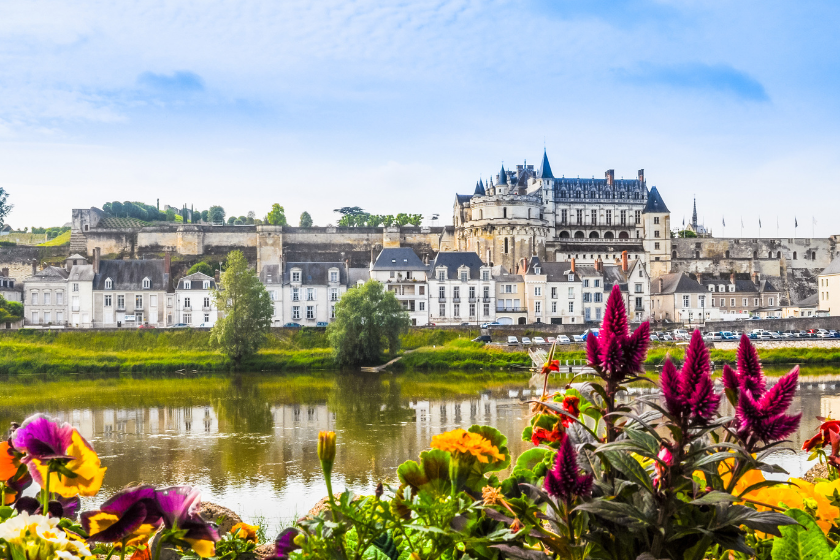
(536, 270)
(333, 276)
(571, 277)
(711, 288)
(206, 284)
(187, 285)
(441, 275)
(147, 283)
(732, 287)
(721, 288)
(296, 276)
(464, 276)
(109, 284)
(268, 278)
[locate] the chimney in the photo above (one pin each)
(523, 267)
(6, 272)
(624, 265)
(599, 264)
(34, 267)
(732, 278)
(217, 276)
(167, 262)
(660, 284)
(97, 252)
(699, 278)
(641, 175)
(755, 277)
(610, 175)
(573, 265)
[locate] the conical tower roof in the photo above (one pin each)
(503, 180)
(479, 188)
(655, 204)
(545, 168)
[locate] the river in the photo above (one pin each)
(250, 443)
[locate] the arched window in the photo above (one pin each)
(755, 254)
(770, 255)
(778, 254)
(623, 235)
(109, 285)
(579, 235)
(593, 235)
(147, 283)
(504, 215)
(506, 244)
(696, 254)
(794, 255)
(608, 235)
(564, 235)
(673, 254)
(727, 254)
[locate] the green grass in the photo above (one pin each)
(62, 239)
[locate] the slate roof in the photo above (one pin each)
(747, 286)
(810, 301)
(81, 273)
(454, 260)
(355, 274)
(197, 280)
(655, 204)
(479, 189)
(315, 273)
(545, 168)
(676, 283)
(270, 270)
(554, 271)
(50, 274)
(462, 198)
(398, 258)
(503, 179)
(832, 268)
(129, 275)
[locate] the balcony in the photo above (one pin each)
(485, 299)
(206, 308)
(456, 300)
(187, 308)
(442, 299)
(511, 310)
(472, 300)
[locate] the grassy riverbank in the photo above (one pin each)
(170, 351)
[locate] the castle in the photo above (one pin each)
(517, 214)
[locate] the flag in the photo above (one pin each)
(759, 222)
(742, 221)
(815, 220)
(683, 221)
(723, 221)
(795, 222)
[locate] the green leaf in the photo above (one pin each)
(835, 554)
(645, 440)
(532, 457)
(804, 541)
(714, 497)
(430, 474)
(499, 440)
(630, 467)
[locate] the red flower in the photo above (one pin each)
(570, 405)
(823, 436)
(541, 435)
(553, 365)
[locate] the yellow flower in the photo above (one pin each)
(467, 443)
(85, 463)
(801, 495)
(245, 531)
(203, 548)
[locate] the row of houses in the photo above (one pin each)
(454, 288)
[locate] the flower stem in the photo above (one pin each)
(45, 495)
(122, 549)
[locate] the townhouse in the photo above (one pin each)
(45, 294)
(311, 290)
(553, 292)
(676, 297)
(740, 296)
(402, 272)
(461, 289)
(194, 302)
(132, 293)
(271, 276)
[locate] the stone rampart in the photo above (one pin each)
(19, 259)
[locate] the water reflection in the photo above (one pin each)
(250, 442)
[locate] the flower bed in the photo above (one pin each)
(665, 476)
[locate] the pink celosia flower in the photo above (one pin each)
(564, 481)
(614, 351)
(690, 393)
(761, 412)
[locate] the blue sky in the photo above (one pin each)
(395, 106)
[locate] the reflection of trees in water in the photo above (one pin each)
(369, 416)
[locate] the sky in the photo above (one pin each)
(396, 106)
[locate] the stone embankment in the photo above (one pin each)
(793, 343)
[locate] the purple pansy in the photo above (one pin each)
(285, 544)
(43, 438)
(179, 507)
(57, 507)
(131, 513)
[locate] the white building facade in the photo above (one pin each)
(461, 289)
(194, 303)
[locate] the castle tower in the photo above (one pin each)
(694, 217)
(656, 219)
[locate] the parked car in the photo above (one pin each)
(681, 334)
(512, 341)
(822, 333)
(551, 340)
(834, 334)
(563, 339)
(728, 335)
(577, 338)
(539, 340)
(146, 326)
(587, 332)
(205, 326)
(526, 340)
(293, 325)
(665, 337)
(490, 325)
(764, 336)
(179, 326)
(712, 336)
(322, 324)
(485, 338)
(654, 338)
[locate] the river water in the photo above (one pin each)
(250, 443)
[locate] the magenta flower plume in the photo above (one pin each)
(764, 415)
(614, 351)
(690, 393)
(564, 481)
(750, 376)
(730, 378)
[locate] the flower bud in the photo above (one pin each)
(379, 490)
(326, 449)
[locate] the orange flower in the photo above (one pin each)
(551, 365)
(463, 442)
(8, 462)
(823, 436)
(540, 435)
(245, 531)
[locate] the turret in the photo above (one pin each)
(657, 233)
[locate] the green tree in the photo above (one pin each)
(388, 220)
(245, 310)
(216, 214)
(232, 220)
(277, 216)
(202, 267)
(305, 220)
(170, 215)
(366, 318)
(205, 216)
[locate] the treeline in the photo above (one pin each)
(353, 216)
